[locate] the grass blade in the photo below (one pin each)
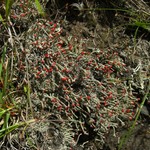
(39, 8)
(8, 7)
(1, 70)
(9, 129)
(2, 20)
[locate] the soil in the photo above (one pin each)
(103, 29)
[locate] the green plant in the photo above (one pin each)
(4, 112)
(8, 4)
(39, 8)
(6, 129)
(7, 105)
